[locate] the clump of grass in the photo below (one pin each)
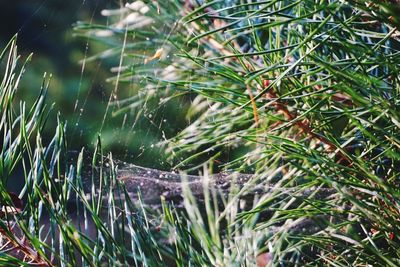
(308, 89)
(58, 219)
(304, 95)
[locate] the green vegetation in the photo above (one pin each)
(302, 94)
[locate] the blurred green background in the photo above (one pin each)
(45, 28)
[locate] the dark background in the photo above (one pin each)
(45, 28)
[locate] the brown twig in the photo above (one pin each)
(303, 125)
(21, 245)
(254, 106)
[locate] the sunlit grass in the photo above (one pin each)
(307, 88)
(302, 94)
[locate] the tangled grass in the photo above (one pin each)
(302, 94)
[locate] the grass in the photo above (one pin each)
(302, 94)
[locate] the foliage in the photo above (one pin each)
(309, 88)
(303, 94)
(44, 231)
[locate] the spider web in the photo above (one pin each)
(79, 88)
(132, 135)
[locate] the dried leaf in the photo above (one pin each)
(15, 208)
(157, 55)
(264, 259)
